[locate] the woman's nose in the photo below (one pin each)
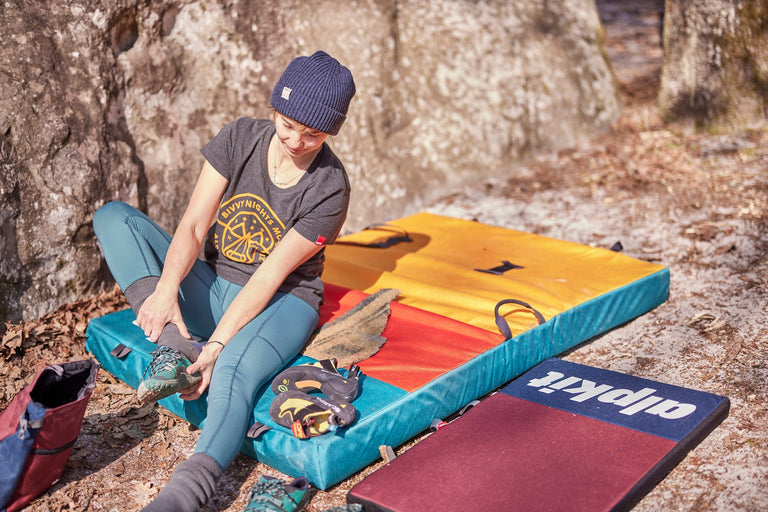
(297, 139)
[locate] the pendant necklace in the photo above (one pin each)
(281, 183)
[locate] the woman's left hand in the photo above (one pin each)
(203, 365)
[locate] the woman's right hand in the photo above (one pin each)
(159, 309)
(204, 366)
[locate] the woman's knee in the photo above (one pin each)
(110, 213)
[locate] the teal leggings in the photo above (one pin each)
(135, 247)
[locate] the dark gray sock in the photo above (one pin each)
(171, 337)
(191, 486)
(136, 293)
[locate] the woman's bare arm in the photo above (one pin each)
(162, 306)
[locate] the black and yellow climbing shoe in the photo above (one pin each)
(322, 376)
(309, 415)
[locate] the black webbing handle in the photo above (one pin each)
(501, 323)
(401, 235)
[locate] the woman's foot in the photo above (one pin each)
(167, 375)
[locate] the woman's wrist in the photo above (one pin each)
(164, 287)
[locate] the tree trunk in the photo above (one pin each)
(715, 72)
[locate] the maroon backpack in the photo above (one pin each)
(39, 428)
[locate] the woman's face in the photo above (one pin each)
(297, 139)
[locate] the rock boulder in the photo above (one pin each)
(112, 100)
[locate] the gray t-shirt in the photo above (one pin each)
(254, 213)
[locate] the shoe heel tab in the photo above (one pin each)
(354, 372)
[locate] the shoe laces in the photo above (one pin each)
(163, 358)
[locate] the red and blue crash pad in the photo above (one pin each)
(479, 306)
(563, 436)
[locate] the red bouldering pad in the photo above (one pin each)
(563, 436)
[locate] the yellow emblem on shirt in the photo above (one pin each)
(251, 229)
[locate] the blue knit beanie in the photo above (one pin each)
(315, 91)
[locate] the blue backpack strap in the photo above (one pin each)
(501, 323)
(15, 448)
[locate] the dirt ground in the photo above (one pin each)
(694, 202)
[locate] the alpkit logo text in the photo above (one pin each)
(630, 401)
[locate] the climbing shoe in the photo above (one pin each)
(165, 375)
(272, 495)
(309, 415)
(322, 376)
(352, 507)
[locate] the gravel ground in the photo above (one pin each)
(694, 202)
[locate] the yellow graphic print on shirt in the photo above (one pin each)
(250, 229)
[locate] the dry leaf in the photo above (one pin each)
(142, 492)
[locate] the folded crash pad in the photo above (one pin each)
(452, 336)
(461, 269)
(563, 436)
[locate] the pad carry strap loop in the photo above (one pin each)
(501, 323)
(256, 430)
(401, 236)
(120, 351)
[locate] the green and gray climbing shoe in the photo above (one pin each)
(272, 495)
(166, 375)
(309, 415)
(322, 376)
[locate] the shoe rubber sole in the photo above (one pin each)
(162, 389)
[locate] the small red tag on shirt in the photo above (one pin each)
(320, 240)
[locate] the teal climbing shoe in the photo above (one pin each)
(272, 495)
(166, 375)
